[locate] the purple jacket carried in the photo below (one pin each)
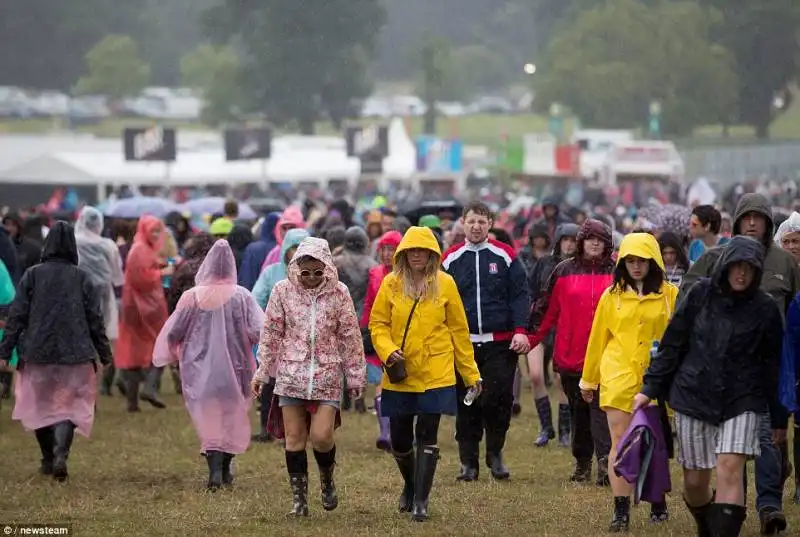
(642, 457)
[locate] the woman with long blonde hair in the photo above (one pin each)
(420, 332)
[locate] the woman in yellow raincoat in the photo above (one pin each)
(632, 314)
(418, 321)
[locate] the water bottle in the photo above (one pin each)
(653, 349)
(472, 394)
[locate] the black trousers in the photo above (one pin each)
(590, 434)
(402, 432)
(491, 412)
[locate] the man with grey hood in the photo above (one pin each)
(781, 280)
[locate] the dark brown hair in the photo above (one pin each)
(478, 207)
(231, 208)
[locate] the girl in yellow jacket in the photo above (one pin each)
(631, 315)
(418, 321)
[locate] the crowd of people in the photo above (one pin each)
(671, 328)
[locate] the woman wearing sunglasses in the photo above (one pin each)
(310, 341)
(420, 332)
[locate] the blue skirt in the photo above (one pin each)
(438, 401)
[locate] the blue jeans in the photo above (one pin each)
(769, 469)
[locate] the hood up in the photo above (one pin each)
(595, 228)
(219, 266)
(267, 232)
(292, 239)
(319, 250)
(642, 245)
(356, 241)
(564, 230)
(144, 229)
(60, 244)
(292, 215)
(740, 248)
(754, 203)
(790, 225)
(390, 238)
(90, 220)
(418, 237)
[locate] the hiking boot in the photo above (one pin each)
(299, 484)
(620, 522)
(583, 472)
(405, 462)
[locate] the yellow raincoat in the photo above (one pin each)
(438, 336)
(624, 328)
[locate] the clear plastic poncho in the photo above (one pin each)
(100, 257)
(212, 333)
(790, 225)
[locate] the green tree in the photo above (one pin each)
(300, 54)
(215, 71)
(763, 37)
(115, 69)
(438, 80)
(480, 69)
(612, 61)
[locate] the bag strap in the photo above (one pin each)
(408, 324)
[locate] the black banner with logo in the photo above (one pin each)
(150, 144)
(370, 144)
(248, 144)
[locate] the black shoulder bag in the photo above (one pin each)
(397, 371)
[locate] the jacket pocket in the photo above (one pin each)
(329, 358)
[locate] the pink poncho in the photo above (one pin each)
(212, 333)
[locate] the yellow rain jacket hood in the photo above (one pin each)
(438, 341)
(624, 329)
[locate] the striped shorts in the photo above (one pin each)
(700, 442)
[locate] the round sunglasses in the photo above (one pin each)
(308, 273)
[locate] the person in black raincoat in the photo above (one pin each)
(717, 366)
(28, 251)
(56, 322)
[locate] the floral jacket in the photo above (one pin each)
(311, 339)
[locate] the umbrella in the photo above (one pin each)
(215, 205)
(141, 205)
(435, 207)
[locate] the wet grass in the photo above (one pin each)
(142, 475)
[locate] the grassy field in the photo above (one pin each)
(478, 129)
(142, 475)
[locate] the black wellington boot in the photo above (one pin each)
(427, 457)
(152, 381)
(46, 439)
(227, 475)
(545, 422)
(405, 462)
(726, 520)
(131, 379)
(621, 520)
(468, 453)
(63, 433)
(107, 380)
(495, 463)
(701, 518)
(299, 484)
(215, 460)
(583, 471)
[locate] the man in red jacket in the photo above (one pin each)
(569, 304)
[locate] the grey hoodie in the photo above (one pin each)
(781, 279)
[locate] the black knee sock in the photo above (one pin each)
(296, 462)
(326, 460)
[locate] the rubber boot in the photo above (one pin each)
(6, 378)
(564, 426)
(468, 453)
(150, 393)
(46, 439)
(384, 439)
(620, 522)
(701, 518)
(131, 379)
(175, 373)
(427, 457)
(583, 471)
(602, 472)
(215, 460)
(227, 474)
(107, 380)
(63, 433)
(299, 484)
(495, 463)
(265, 400)
(726, 520)
(405, 462)
(330, 500)
(545, 422)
